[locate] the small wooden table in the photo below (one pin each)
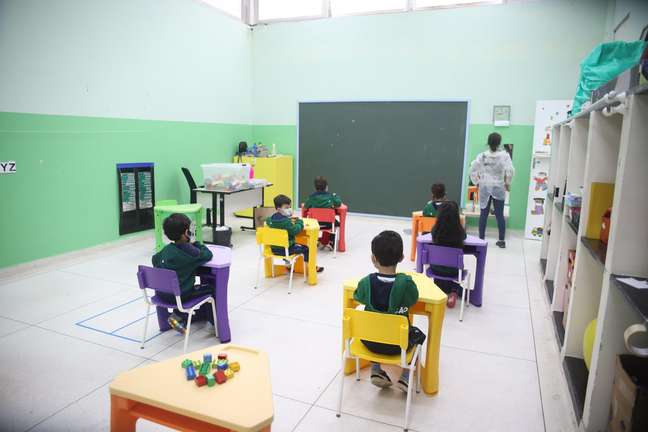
(160, 393)
(431, 303)
(307, 237)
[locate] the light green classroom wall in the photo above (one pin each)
(64, 196)
(521, 136)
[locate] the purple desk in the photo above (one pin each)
(215, 272)
(472, 246)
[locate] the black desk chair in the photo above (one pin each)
(192, 192)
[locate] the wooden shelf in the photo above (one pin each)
(543, 265)
(597, 248)
(549, 285)
(577, 375)
(637, 298)
(558, 326)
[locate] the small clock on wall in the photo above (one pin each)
(501, 115)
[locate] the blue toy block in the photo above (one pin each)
(190, 372)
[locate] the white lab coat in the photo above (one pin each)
(492, 172)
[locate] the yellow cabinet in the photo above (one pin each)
(277, 170)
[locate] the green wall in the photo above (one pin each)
(285, 137)
(64, 194)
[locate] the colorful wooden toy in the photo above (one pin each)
(222, 356)
(220, 377)
(190, 372)
(205, 368)
(222, 365)
(185, 363)
(201, 380)
(229, 374)
(197, 364)
(207, 358)
(211, 381)
(235, 366)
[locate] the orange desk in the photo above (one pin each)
(161, 394)
(308, 237)
(432, 304)
(422, 224)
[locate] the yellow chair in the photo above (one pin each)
(267, 237)
(392, 329)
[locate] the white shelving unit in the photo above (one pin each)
(604, 146)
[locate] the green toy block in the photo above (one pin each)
(186, 363)
(211, 381)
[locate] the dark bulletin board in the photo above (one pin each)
(136, 186)
(382, 157)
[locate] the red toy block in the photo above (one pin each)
(222, 356)
(220, 377)
(201, 380)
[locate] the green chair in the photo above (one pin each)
(164, 208)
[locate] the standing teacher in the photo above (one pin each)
(492, 171)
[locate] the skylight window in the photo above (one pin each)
(424, 4)
(356, 7)
(272, 10)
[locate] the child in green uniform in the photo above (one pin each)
(184, 258)
(322, 198)
(283, 219)
(387, 292)
(438, 198)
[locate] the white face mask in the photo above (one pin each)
(286, 212)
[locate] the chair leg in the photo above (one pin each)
(339, 406)
(146, 320)
(418, 374)
(305, 268)
(409, 394)
(463, 303)
(469, 288)
(335, 243)
(213, 306)
(357, 368)
(292, 270)
(189, 315)
(258, 273)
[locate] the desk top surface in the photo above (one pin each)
(428, 291)
(471, 240)
(231, 191)
(222, 256)
(243, 403)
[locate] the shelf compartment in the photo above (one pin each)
(549, 286)
(560, 206)
(637, 298)
(596, 248)
(543, 265)
(577, 375)
(572, 225)
(558, 327)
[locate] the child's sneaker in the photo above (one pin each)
(403, 383)
(177, 324)
(379, 378)
(452, 299)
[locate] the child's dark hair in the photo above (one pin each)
(281, 200)
(447, 230)
(176, 225)
(494, 141)
(320, 184)
(387, 247)
(438, 191)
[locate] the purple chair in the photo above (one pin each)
(449, 257)
(166, 281)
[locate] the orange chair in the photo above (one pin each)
(327, 216)
(420, 224)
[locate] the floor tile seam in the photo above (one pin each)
(126, 284)
(535, 346)
(141, 357)
(492, 354)
(290, 317)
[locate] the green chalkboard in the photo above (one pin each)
(382, 157)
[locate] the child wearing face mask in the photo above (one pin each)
(283, 219)
(184, 258)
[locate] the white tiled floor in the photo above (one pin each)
(500, 368)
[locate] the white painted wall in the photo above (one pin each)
(630, 29)
(144, 59)
(512, 54)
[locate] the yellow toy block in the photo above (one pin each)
(229, 373)
(235, 366)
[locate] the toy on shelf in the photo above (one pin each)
(210, 371)
(541, 180)
(605, 225)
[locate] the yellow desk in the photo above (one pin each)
(431, 303)
(160, 393)
(307, 237)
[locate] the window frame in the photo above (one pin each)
(456, 5)
(406, 8)
(242, 18)
(325, 12)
